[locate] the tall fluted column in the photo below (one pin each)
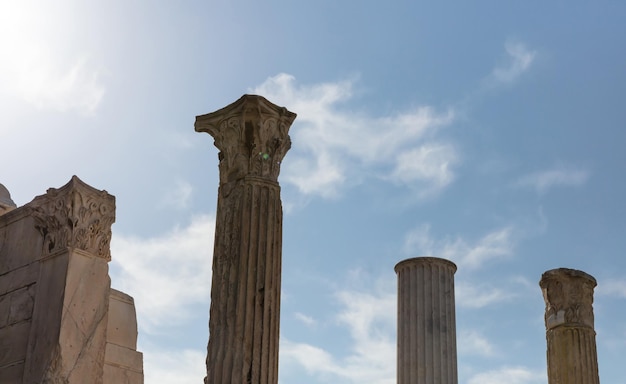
(252, 136)
(570, 334)
(426, 321)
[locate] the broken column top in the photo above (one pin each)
(6, 204)
(568, 294)
(252, 136)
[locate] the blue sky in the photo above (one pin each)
(487, 132)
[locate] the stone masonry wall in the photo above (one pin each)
(55, 295)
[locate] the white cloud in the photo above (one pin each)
(509, 375)
(314, 359)
(180, 196)
(334, 146)
(478, 296)
(495, 245)
(307, 320)
(370, 320)
(430, 165)
(542, 181)
(520, 59)
(472, 343)
(151, 270)
(35, 64)
(173, 366)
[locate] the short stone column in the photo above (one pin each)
(426, 322)
(251, 135)
(570, 334)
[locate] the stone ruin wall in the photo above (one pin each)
(60, 321)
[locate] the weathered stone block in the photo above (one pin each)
(21, 307)
(21, 241)
(12, 373)
(117, 375)
(122, 325)
(18, 278)
(14, 341)
(123, 357)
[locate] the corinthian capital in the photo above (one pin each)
(252, 136)
(568, 294)
(75, 215)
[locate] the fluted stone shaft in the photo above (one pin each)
(426, 322)
(251, 135)
(570, 334)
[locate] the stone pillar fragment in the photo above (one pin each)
(570, 334)
(426, 322)
(252, 136)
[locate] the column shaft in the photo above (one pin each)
(245, 292)
(572, 356)
(426, 322)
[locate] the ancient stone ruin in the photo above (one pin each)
(60, 321)
(252, 136)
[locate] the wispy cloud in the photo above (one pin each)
(472, 343)
(306, 320)
(173, 366)
(34, 64)
(151, 270)
(335, 147)
(429, 166)
(558, 176)
(493, 246)
(519, 60)
(509, 375)
(370, 321)
(468, 295)
(179, 196)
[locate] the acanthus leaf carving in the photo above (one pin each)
(77, 216)
(252, 136)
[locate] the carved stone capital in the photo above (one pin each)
(75, 215)
(568, 294)
(252, 136)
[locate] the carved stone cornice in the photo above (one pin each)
(77, 216)
(568, 294)
(252, 136)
